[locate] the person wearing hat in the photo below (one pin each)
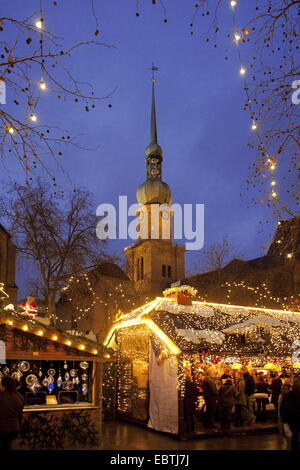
(226, 375)
(290, 412)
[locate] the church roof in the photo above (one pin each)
(111, 269)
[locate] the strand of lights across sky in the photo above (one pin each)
(270, 161)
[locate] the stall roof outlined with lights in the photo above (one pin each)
(221, 327)
(155, 340)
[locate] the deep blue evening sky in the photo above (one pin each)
(202, 127)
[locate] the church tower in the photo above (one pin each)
(154, 261)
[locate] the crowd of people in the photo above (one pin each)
(236, 390)
(239, 397)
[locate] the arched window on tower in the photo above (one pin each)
(142, 267)
(138, 269)
(169, 271)
(163, 270)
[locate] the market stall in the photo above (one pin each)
(173, 336)
(60, 377)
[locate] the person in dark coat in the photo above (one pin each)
(290, 412)
(249, 391)
(210, 396)
(190, 396)
(276, 385)
(11, 407)
(226, 375)
(240, 400)
(227, 400)
(261, 387)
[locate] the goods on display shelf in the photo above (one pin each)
(43, 382)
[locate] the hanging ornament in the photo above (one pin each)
(59, 381)
(84, 365)
(51, 372)
(16, 375)
(73, 372)
(65, 365)
(45, 382)
(31, 380)
(24, 366)
(40, 372)
(67, 376)
(35, 387)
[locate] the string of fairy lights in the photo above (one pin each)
(134, 340)
(111, 298)
(264, 297)
(270, 162)
(132, 367)
(264, 294)
(14, 130)
(32, 115)
(39, 24)
(282, 327)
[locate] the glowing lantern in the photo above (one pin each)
(270, 366)
(236, 366)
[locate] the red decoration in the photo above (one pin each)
(182, 298)
(29, 307)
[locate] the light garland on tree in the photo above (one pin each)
(116, 295)
(270, 162)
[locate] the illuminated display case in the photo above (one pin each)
(60, 377)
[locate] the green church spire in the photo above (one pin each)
(153, 133)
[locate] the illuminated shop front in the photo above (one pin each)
(161, 342)
(60, 377)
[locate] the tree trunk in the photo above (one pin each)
(52, 311)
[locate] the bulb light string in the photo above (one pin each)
(270, 161)
(263, 297)
(16, 320)
(115, 295)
